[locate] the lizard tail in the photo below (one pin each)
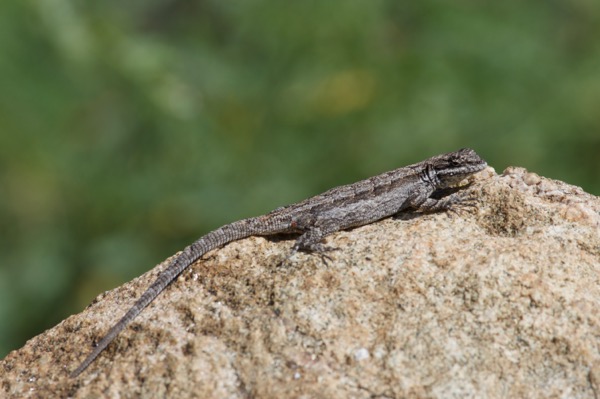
(190, 254)
(163, 280)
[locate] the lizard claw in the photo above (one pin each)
(324, 257)
(321, 250)
(462, 204)
(317, 249)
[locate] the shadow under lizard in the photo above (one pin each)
(408, 188)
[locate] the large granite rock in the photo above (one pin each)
(501, 300)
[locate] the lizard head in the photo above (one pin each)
(453, 167)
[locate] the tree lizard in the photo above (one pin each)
(414, 187)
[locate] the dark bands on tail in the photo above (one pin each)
(163, 280)
(190, 254)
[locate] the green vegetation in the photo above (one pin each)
(129, 129)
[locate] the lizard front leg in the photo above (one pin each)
(451, 203)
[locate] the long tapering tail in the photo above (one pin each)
(190, 254)
(163, 280)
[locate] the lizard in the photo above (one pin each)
(413, 187)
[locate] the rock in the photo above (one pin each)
(499, 300)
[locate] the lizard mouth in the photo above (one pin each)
(459, 177)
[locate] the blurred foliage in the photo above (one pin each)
(127, 130)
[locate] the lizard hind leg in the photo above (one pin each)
(311, 241)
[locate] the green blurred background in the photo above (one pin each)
(129, 129)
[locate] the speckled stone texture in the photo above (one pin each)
(499, 301)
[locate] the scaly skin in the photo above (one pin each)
(357, 204)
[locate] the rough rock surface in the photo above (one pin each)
(501, 300)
